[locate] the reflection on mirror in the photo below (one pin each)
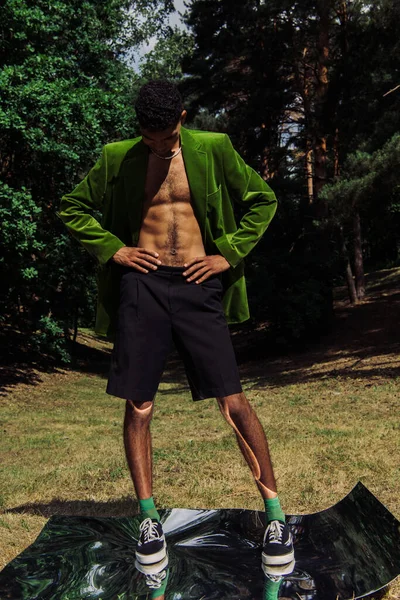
(344, 552)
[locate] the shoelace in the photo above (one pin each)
(154, 581)
(149, 530)
(275, 532)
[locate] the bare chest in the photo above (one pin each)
(166, 181)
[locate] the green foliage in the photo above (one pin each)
(280, 77)
(371, 183)
(250, 68)
(65, 90)
(367, 178)
(165, 60)
(20, 250)
(50, 339)
(19, 216)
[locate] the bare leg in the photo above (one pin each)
(137, 440)
(251, 439)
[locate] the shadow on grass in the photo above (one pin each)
(359, 335)
(124, 507)
(21, 364)
(363, 344)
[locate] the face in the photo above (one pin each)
(164, 142)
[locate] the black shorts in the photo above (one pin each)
(158, 307)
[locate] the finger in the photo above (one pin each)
(149, 257)
(144, 263)
(149, 252)
(192, 261)
(205, 277)
(138, 267)
(196, 277)
(194, 268)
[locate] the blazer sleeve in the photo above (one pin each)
(76, 211)
(247, 188)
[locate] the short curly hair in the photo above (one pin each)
(159, 105)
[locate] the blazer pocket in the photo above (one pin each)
(214, 199)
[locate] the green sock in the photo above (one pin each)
(271, 589)
(273, 510)
(148, 509)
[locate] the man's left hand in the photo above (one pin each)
(201, 268)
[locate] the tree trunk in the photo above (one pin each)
(336, 165)
(351, 288)
(76, 314)
(309, 173)
(358, 257)
(321, 90)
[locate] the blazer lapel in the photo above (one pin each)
(195, 159)
(133, 171)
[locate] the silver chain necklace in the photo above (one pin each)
(168, 157)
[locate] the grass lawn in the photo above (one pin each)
(331, 414)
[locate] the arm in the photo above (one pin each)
(249, 189)
(76, 212)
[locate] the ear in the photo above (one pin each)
(183, 116)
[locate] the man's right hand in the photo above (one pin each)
(138, 258)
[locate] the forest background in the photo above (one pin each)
(308, 91)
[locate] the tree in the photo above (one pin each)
(263, 66)
(370, 182)
(290, 80)
(165, 60)
(367, 117)
(65, 90)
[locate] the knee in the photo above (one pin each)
(139, 412)
(235, 407)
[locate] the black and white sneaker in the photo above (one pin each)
(151, 547)
(155, 571)
(278, 572)
(277, 544)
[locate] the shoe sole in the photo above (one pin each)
(152, 569)
(149, 559)
(283, 559)
(278, 571)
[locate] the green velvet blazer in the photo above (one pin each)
(217, 176)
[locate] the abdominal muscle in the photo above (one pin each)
(172, 230)
(169, 225)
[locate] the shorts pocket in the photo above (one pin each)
(214, 282)
(212, 289)
(128, 299)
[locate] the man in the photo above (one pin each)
(172, 267)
